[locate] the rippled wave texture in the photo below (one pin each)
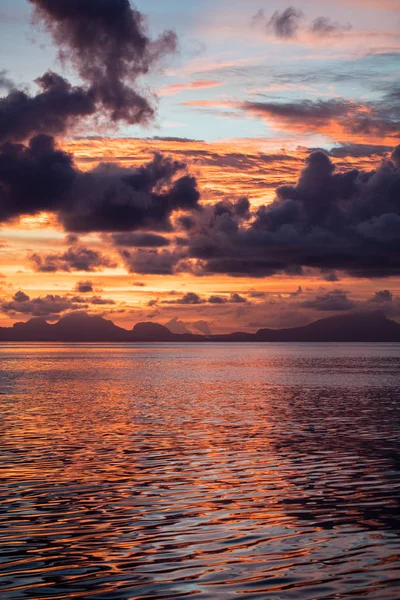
(213, 471)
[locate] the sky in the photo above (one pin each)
(211, 166)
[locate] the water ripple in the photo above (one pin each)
(212, 471)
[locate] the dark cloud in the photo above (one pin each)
(180, 140)
(347, 221)
(316, 111)
(218, 299)
(33, 178)
(71, 239)
(283, 25)
(113, 198)
(96, 300)
(330, 276)
(84, 287)
(396, 156)
(324, 26)
(137, 240)
(39, 177)
(382, 296)
(234, 298)
(152, 262)
(189, 298)
(53, 110)
(186, 222)
(286, 23)
(371, 118)
(192, 298)
(334, 301)
(237, 299)
(74, 259)
(107, 43)
(359, 150)
(49, 305)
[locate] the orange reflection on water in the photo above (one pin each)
(166, 471)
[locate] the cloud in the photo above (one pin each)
(347, 221)
(234, 298)
(324, 26)
(335, 118)
(331, 220)
(112, 198)
(330, 276)
(282, 24)
(189, 298)
(396, 156)
(108, 45)
(198, 84)
(237, 299)
(355, 150)
(286, 23)
(218, 299)
(74, 259)
(48, 305)
(137, 240)
(84, 287)
(53, 110)
(330, 117)
(177, 326)
(335, 301)
(39, 177)
(33, 178)
(382, 296)
(202, 327)
(230, 169)
(96, 300)
(151, 262)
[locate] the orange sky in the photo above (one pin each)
(227, 169)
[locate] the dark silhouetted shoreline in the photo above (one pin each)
(358, 327)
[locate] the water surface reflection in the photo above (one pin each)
(214, 471)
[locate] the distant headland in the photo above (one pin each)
(81, 327)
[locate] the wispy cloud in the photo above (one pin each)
(198, 84)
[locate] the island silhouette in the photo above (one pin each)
(81, 327)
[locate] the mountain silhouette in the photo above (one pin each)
(152, 331)
(80, 327)
(354, 327)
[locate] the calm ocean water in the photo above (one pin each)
(213, 471)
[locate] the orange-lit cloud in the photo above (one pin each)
(332, 118)
(198, 84)
(229, 169)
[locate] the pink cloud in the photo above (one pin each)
(198, 84)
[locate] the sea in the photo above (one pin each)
(213, 470)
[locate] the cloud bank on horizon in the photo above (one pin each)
(181, 212)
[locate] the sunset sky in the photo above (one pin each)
(211, 166)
